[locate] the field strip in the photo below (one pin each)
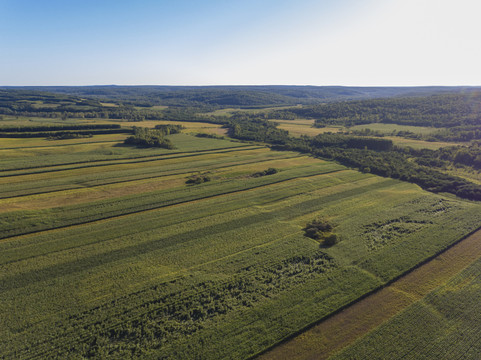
(154, 208)
(344, 327)
(57, 145)
(138, 159)
(74, 189)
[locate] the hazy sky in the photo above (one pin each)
(210, 42)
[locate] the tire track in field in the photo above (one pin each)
(344, 327)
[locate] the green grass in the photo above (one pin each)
(219, 270)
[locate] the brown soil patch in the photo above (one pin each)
(344, 328)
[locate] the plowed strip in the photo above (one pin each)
(343, 328)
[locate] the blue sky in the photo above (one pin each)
(185, 42)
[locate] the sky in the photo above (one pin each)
(240, 42)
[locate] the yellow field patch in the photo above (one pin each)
(300, 127)
(85, 195)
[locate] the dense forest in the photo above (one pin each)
(212, 97)
(446, 110)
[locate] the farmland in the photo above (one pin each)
(106, 250)
(442, 324)
(351, 324)
(116, 251)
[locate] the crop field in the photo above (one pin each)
(444, 324)
(344, 328)
(107, 252)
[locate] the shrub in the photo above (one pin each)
(270, 171)
(321, 229)
(197, 179)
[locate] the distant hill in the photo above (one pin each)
(237, 96)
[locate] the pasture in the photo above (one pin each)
(106, 252)
(300, 127)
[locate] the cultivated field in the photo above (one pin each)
(106, 252)
(351, 324)
(444, 324)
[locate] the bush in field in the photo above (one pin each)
(270, 171)
(321, 229)
(197, 179)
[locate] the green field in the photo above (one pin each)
(443, 325)
(106, 252)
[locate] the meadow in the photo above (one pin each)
(107, 252)
(388, 129)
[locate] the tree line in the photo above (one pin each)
(373, 155)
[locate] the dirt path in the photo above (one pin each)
(344, 328)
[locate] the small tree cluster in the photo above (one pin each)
(144, 137)
(197, 179)
(169, 129)
(322, 230)
(270, 171)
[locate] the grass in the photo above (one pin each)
(300, 127)
(419, 144)
(390, 128)
(107, 253)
